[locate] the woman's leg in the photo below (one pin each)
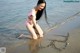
(31, 29)
(39, 30)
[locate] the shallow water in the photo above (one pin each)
(13, 14)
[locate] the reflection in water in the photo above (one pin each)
(34, 45)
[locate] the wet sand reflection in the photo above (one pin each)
(59, 45)
(34, 45)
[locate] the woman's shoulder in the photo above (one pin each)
(32, 12)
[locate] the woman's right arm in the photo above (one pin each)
(34, 20)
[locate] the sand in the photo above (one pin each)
(48, 44)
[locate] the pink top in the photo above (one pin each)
(31, 15)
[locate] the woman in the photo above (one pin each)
(35, 15)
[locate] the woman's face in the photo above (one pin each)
(41, 6)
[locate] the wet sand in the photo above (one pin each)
(49, 44)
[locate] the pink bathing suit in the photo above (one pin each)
(29, 20)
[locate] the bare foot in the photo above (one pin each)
(25, 36)
(21, 36)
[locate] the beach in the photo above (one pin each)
(61, 36)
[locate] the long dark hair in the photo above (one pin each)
(39, 13)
